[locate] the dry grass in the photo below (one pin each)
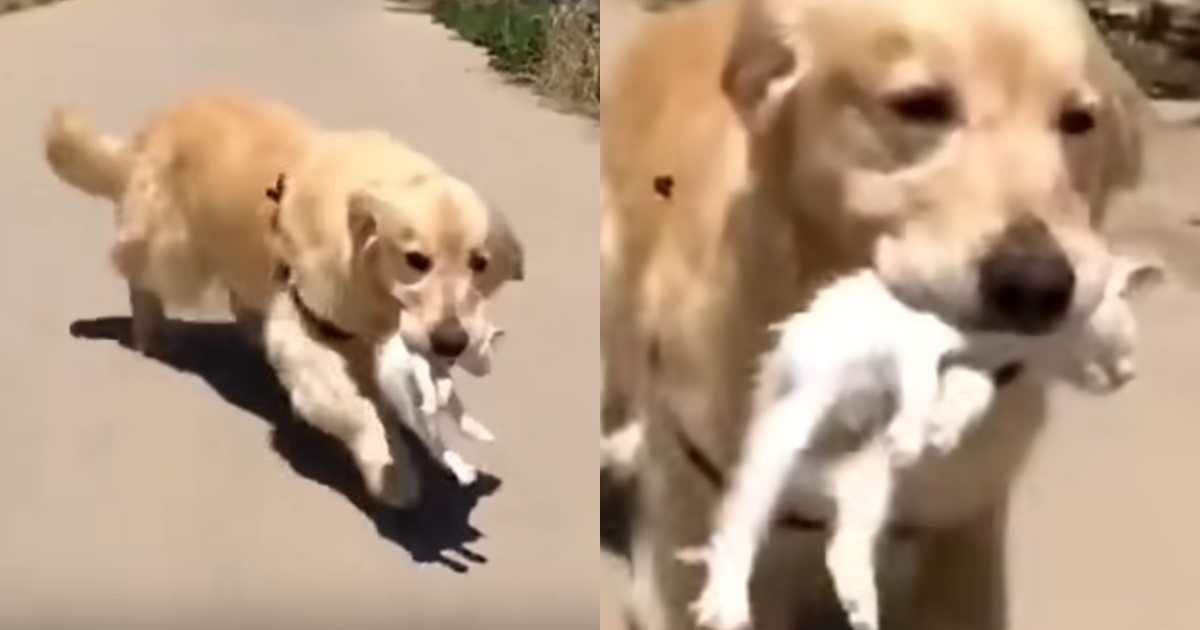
(570, 68)
(555, 46)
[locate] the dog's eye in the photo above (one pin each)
(923, 106)
(418, 261)
(1076, 122)
(477, 263)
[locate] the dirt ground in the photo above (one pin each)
(1105, 519)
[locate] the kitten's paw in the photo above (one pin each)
(862, 610)
(905, 446)
(464, 473)
(693, 556)
(860, 619)
(475, 430)
(853, 574)
(944, 437)
(722, 605)
(1097, 378)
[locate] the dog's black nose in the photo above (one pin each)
(449, 339)
(1026, 282)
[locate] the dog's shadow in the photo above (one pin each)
(436, 530)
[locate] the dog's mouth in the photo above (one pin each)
(926, 298)
(961, 305)
(416, 341)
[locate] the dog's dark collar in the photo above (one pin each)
(324, 327)
(707, 469)
(712, 473)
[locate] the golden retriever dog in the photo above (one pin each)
(327, 243)
(753, 150)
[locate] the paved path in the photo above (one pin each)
(1106, 521)
(134, 494)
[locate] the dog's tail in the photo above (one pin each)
(83, 157)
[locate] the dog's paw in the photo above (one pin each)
(388, 484)
(463, 472)
(475, 430)
(153, 345)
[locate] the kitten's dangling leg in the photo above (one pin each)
(919, 385)
(773, 443)
(425, 380)
(444, 388)
(400, 373)
(466, 423)
(862, 487)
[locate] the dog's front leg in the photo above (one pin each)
(148, 319)
(675, 504)
(324, 394)
(249, 321)
(961, 581)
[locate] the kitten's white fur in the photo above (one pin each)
(421, 391)
(856, 353)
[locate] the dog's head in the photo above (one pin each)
(968, 146)
(436, 248)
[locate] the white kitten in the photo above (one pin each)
(422, 391)
(843, 362)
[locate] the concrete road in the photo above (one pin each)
(1107, 517)
(142, 494)
(1106, 520)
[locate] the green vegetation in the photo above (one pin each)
(513, 31)
(555, 47)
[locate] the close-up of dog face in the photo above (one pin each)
(973, 140)
(441, 252)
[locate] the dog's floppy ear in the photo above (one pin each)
(1136, 276)
(506, 249)
(1124, 150)
(363, 218)
(279, 240)
(765, 62)
(1125, 111)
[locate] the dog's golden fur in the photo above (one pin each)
(777, 121)
(374, 239)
